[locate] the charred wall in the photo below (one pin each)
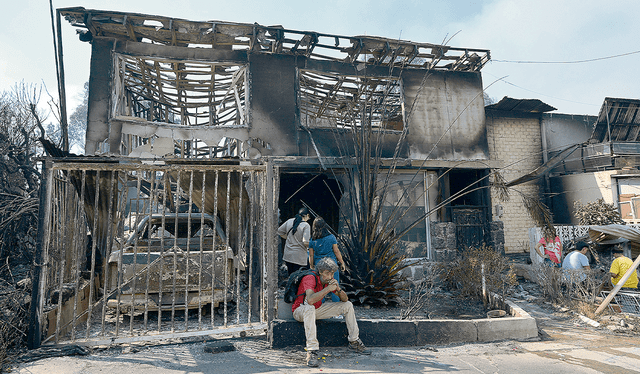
(273, 102)
(100, 78)
(448, 112)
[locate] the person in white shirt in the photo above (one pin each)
(297, 232)
(577, 261)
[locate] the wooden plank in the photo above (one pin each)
(180, 53)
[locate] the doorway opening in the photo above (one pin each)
(320, 193)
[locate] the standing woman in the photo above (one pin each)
(297, 232)
(324, 244)
(551, 252)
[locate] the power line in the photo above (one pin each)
(541, 94)
(567, 62)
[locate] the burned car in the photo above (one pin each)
(172, 261)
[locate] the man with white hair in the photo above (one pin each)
(309, 307)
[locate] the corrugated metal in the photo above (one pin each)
(521, 105)
(619, 117)
(608, 232)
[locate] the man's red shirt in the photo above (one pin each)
(308, 283)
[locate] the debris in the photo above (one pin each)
(588, 321)
(54, 351)
(220, 347)
(432, 349)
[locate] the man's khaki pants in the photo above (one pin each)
(308, 314)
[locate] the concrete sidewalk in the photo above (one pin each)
(570, 354)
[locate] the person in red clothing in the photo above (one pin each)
(550, 249)
(308, 307)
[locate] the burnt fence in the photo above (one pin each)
(132, 251)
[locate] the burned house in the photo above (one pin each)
(528, 137)
(206, 90)
(245, 123)
(605, 166)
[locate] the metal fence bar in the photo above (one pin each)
(152, 198)
(61, 213)
(78, 228)
(134, 227)
(240, 250)
(121, 204)
(202, 198)
(174, 250)
(188, 257)
(263, 259)
(213, 249)
(165, 182)
(250, 260)
(94, 245)
(226, 243)
(107, 250)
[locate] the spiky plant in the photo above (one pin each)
(370, 241)
(375, 262)
(536, 209)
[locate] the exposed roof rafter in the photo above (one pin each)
(275, 39)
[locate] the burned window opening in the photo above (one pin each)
(407, 198)
(182, 93)
(342, 101)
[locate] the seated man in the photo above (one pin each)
(308, 307)
(577, 261)
(619, 267)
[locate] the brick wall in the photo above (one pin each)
(517, 142)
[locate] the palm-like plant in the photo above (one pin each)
(370, 245)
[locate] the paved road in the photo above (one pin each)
(566, 346)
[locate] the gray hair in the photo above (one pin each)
(326, 263)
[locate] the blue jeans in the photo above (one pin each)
(550, 263)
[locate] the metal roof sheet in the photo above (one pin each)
(521, 105)
(620, 118)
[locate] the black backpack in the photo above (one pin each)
(291, 290)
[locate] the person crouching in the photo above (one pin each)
(309, 307)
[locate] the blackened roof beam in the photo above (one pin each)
(275, 39)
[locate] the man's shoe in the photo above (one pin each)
(312, 359)
(357, 346)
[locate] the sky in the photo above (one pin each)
(571, 42)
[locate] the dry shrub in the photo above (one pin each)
(466, 273)
(548, 278)
(574, 289)
(14, 303)
(420, 292)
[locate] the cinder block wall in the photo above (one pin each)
(515, 139)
